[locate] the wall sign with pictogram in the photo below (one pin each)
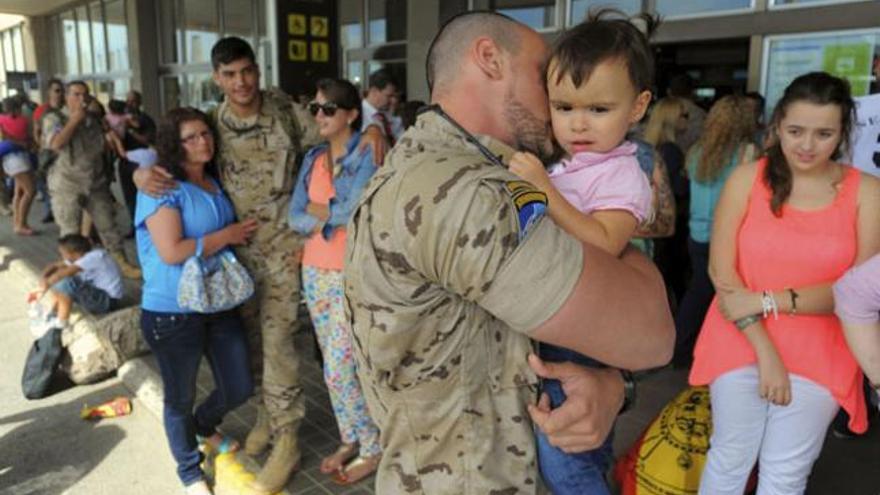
(309, 38)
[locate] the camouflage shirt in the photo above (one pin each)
(448, 265)
(257, 161)
(80, 163)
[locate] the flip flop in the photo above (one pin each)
(335, 461)
(368, 465)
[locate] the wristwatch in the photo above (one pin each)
(629, 391)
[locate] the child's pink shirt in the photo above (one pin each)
(605, 181)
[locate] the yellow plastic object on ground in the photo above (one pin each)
(120, 406)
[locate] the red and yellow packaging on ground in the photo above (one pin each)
(120, 406)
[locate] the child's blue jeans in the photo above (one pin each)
(563, 473)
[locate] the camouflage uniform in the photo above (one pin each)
(443, 258)
(78, 181)
(258, 166)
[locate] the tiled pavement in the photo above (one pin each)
(845, 467)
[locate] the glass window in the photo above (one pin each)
(537, 14)
(8, 56)
(201, 92)
(854, 56)
(688, 7)
(351, 27)
(354, 72)
(97, 18)
(84, 33)
(71, 54)
(579, 8)
(202, 29)
(117, 35)
(6, 62)
(387, 21)
(18, 49)
(805, 2)
(170, 92)
(238, 17)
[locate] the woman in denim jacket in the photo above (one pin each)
(329, 184)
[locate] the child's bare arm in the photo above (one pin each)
(62, 273)
(609, 230)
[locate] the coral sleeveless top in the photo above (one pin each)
(800, 248)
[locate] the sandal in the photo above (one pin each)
(219, 443)
(357, 470)
(335, 461)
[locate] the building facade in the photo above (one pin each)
(161, 47)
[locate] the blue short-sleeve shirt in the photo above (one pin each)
(201, 212)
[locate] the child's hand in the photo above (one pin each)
(529, 168)
(775, 385)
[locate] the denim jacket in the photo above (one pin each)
(348, 183)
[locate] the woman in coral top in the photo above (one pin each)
(330, 182)
(771, 349)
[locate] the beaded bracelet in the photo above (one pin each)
(746, 321)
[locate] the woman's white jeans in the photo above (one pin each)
(785, 440)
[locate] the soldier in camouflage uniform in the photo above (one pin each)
(451, 267)
(77, 180)
(260, 138)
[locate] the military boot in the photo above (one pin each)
(282, 462)
(128, 270)
(257, 439)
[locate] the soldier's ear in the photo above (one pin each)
(488, 57)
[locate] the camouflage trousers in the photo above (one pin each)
(270, 319)
(68, 204)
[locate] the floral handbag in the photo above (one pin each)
(214, 284)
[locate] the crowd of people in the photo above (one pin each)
(478, 275)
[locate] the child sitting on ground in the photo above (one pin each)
(86, 276)
(598, 82)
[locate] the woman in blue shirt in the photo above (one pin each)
(195, 219)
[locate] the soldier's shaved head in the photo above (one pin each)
(453, 39)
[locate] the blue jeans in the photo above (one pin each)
(576, 474)
(86, 295)
(178, 340)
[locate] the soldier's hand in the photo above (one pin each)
(373, 137)
(583, 421)
(239, 233)
(154, 181)
(529, 168)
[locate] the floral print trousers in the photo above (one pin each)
(323, 292)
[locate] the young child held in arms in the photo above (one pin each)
(85, 276)
(598, 82)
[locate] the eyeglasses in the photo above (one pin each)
(328, 108)
(194, 138)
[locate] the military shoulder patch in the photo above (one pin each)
(529, 202)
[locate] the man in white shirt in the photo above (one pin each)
(377, 103)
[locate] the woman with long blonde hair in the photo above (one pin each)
(726, 142)
(669, 116)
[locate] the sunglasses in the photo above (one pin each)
(328, 108)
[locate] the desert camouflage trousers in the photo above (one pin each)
(69, 202)
(270, 319)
